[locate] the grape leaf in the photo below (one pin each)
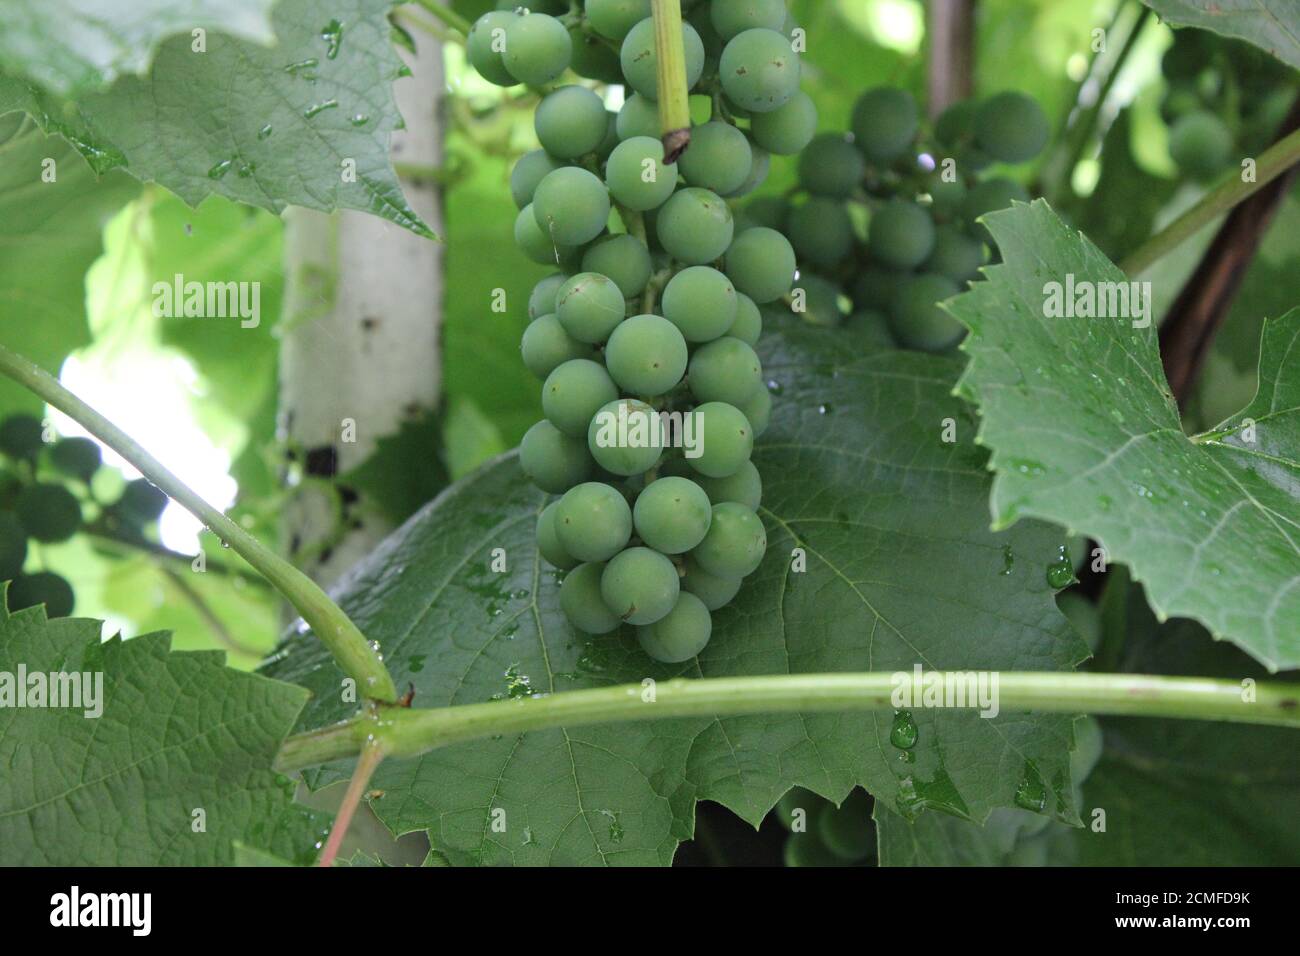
(178, 732)
(69, 46)
(1271, 25)
(937, 839)
(901, 568)
(1085, 433)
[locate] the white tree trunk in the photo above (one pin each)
(362, 339)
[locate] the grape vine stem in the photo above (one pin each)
(336, 631)
(408, 733)
(674, 98)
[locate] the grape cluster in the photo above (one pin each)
(644, 336)
(45, 493)
(887, 213)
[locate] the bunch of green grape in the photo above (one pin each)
(884, 220)
(47, 491)
(644, 336)
(1225, 100)
(822, 834)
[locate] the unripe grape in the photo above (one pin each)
(646, 355)
(1011, 127)
(590, 307)
(13, 546)
(639, 116)
(574, 393)
(946, 196)
(531, 169)
(489, 31)
(593, 522)
(725, 370)
(759, 70)
(640, 586)
(672, 515)
(821, 232)
(955, 255)
(76, 457)
(553, 460)
(735, 544)
(720, 158)
(536, 244)
(831, 166)
(679, 635)
(714, 592)
(571, 122)
(901, 234)
(884, 123)
(637, 175)
(592, 58)
(757, 407)
(726, 440)
(571, 206)
(548, 542)
(744, 487)
(916, 319)
(695, 226)
(640, 58)
(1200, 144)
(1088, 744)
(733, 17)
(538, 49)
(582, 604)
(872, 327)
(990, 196)
(769, 211)
(847, 830)
(748, 326)
(701, 302)
(43, 587)
(615, 18)
(786, 130)
(758, 172)
(623, 258)
(546, 346)
(141, 502)
(761, 263)
(626, 437)
(542, 299)
(817, 300)
(21, 436)
(49, 512)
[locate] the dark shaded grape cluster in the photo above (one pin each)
(45, 496)
(884, 223)
(822, 834)
(644, 336)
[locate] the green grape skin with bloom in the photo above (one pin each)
(695, 226)
(821, 232)
(593, 522)
(757, 408)
(713, 591)
(528, 173)
(590, 307)
(680, 634)
(574, 393)
(537, 49)
(613, 19)
(571, 122)
(726, 439)
(546, 346)
(884, 124)
(483, 45)
(1011, 127)
(640, 586)
(623, 258)
(760, 71)
(548, 540)
(630, 454)
(725, 370)
(916, 320)
(672, 515)
(49, 513)
(748, 326)
(581, 601)
(788, 129)
(646, 355)
(637, 176)
(735, 544)
(901, 234)
(831, 166)
(720, 158)
(541, 301)
(571, 206)
(553, 460)
(640, 59)
(701, 302)
(761, 263)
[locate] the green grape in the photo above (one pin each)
(639, 116)
(593, 521)
(916, 319)
(847, 830)
(640, 58)
(759, 70)
(748, 326)
(758, 172)
(744, 487)
(1083, 614)
(611, 139)
(570, 122)
(542, 300)
(821, 232)
(640, 586)
(701, 302)
(672, 515)
(884, 123)
(590, 307)
(956, 124)
(1088, 744)
(989, 196)
(637, 176)
(787, 130)
(715, 592)
(797, 800)
(50, 513)
(875, 288)
(571, 206)
(548, 542)
(538, 49)
(725, 370)
(1200, 144)
(757, 407)
(531, 169)
(703, 24)
(1011, 127)
(141, 502)
(76, 457)
(13, 546)
(592, 58)
(21, 436)
(613, 19)
(536, 244)
(720, 158)
(681, 634)
(626, 437)
(831, 166)
(901, 234)
(946, 197)
(623, 258)
(818, 300)
(483, 45)
(769, 211)
(581, 602)
(546, 346)
(725, 438)
(735, 544)
(695, 226)
(761, 263)
(807, 850)
(553, 460)
(43, 587)
(646, 355)
(737, 16)
(873, 327)
(955, 255)
(574, 393)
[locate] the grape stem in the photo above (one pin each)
(371, 756)
(447, 15)
(674, 100)
(410, 732)
(354, 655)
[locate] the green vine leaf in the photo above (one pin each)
(1085, 433)
(1271, 25)
(901, 569)
(178, 733)
(72, 46)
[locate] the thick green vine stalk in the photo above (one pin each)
(336, 631)
(674, 99)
